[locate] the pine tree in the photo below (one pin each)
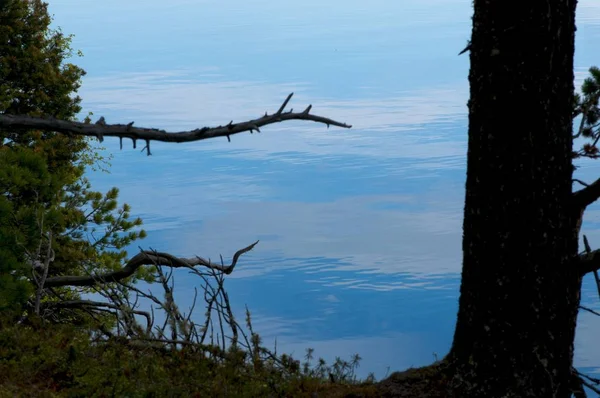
(48, 211)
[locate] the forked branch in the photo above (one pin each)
(145, 257)
(101, 129)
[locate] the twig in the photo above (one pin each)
(90, 303)
(589, 310)
(47, 260)
(585, 184)
(588, 195)
(587, 383)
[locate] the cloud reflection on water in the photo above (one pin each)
(384, 128)
(360, 229)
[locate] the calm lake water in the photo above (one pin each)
(360, 230)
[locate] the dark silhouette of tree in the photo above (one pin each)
(521, 276)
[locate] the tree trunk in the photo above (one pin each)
(519, 294)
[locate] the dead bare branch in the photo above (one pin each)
(146, 257)
(96, 304)
(590, 382)
(588, 249)
(101, 129)
(184, 333)
(591, 311)
(47, 260)
(589, 261)
(587, 195)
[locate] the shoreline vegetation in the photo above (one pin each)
(61, 243)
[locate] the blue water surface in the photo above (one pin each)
(360, 229)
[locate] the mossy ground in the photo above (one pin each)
(60, 360)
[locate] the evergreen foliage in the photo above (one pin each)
(47, 206)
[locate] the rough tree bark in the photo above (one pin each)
(520, 286)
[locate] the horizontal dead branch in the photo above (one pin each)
(146, 257)
(101, 129)
(591, 311)
(587, 195)
(79, 303)
(96, 304)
